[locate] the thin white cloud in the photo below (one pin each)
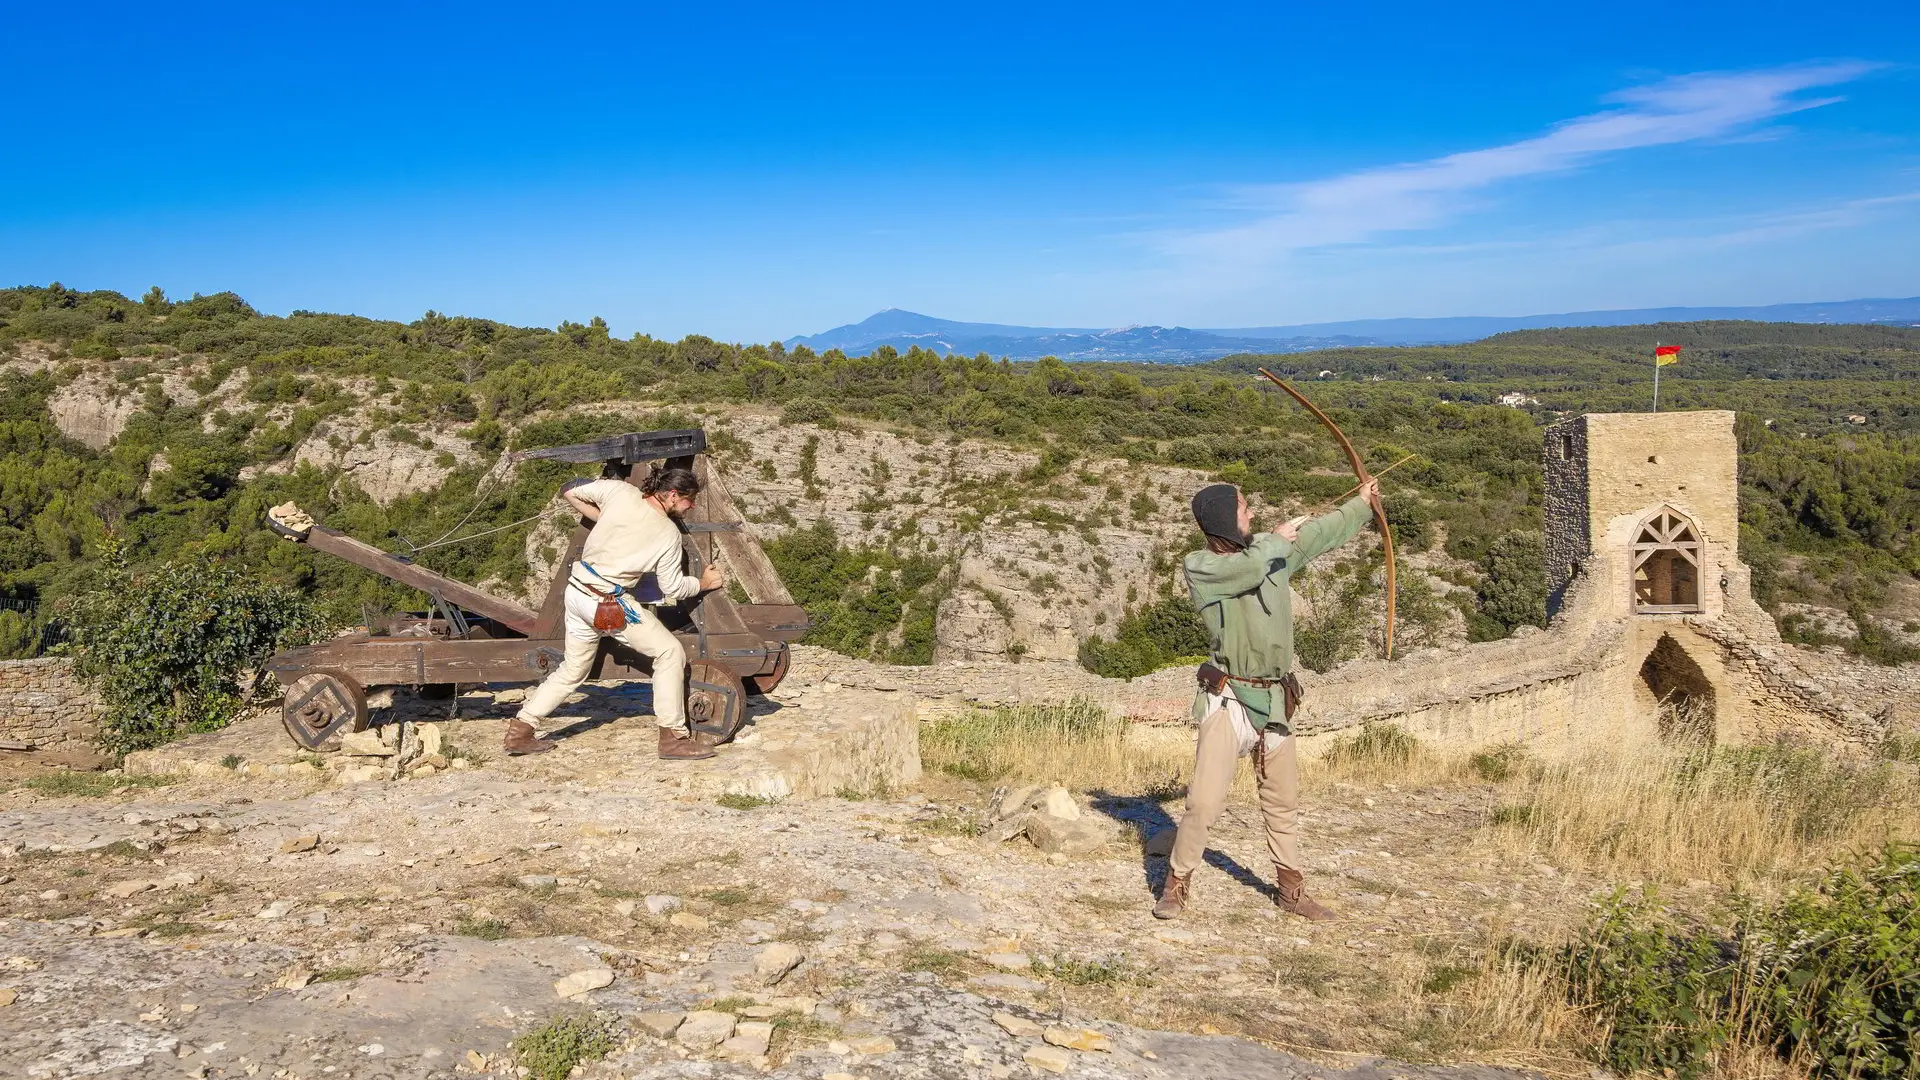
(1359, 206)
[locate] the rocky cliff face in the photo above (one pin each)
(1040, 562)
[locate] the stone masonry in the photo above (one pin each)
(44, 705)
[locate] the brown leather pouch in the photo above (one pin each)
(1290, 686)
(1212, 679)
(608, 616)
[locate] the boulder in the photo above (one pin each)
(1058, 803)
(773, 962)
(704, 1030)
(660, 1025)
(365, 744)
(581, 982)
(1067, 836)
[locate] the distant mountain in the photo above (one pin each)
(904, 329)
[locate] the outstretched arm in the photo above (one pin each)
(1329, 531)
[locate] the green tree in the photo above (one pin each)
(1513, 592)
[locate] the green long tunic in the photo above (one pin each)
(1248, 607)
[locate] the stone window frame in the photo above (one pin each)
(1671, 530)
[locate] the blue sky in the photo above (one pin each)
(751, 172)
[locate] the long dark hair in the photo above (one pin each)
(678, 481)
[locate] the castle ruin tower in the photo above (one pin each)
(1645, 507)
(1656, 495)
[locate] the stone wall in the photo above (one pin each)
(1563, 472)
(44, 705)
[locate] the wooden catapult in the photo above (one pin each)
(471, 637)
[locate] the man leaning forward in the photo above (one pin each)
(1239, 586)
(634, 557)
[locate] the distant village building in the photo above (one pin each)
(1515, 399)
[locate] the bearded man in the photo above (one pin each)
(633, 558)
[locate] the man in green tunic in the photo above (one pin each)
(1239, 586)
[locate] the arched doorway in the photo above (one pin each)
(1683, 695)
(1666, 564)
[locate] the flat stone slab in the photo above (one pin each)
(827, 742)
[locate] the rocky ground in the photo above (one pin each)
(286, 926)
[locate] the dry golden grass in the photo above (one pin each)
(1741, 815)
(1732, 816)
(1754, 818)
(1076, 744)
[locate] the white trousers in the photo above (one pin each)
(645, 635)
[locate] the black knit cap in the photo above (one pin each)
(1217, 510)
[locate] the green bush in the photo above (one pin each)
(1828, 977)
(553, 1049)
(870, 602)
(1513, 592)
(165, 648)
(19, 636)
(1382, 744)
(1148, 638)
(1498, 763)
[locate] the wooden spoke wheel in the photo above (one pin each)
(716, 702)
(764, 684)
(321, 706)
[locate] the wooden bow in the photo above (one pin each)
(1361, 474)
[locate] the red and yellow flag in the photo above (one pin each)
(1666, 354)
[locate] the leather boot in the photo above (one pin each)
(522, 741)
(676, 744)
(1173, 896)
(1291, 896)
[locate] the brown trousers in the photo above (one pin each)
(1214, 763)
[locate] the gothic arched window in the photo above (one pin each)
(1666, 564)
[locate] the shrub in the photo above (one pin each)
(552, 1050)
(1150, 637)
(165, 648)
(1376, 744)
(1828, 977)
(1497, 763)
(1514, 592)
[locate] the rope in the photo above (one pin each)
(443, 541)
(479, 496)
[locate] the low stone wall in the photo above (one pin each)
(1573, 685)
(44, 705)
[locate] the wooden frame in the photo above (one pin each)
(1662, 541)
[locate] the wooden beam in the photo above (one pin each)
(741, 551)
(404, 571)
(630, 449)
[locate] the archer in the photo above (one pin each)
(1239, 585)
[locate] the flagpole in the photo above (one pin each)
(1656, 376)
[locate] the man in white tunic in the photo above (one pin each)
(634, 558)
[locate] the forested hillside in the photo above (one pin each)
(1829, 502)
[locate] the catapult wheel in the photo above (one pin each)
(321, 706)
(764, 684)
(716, 702)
